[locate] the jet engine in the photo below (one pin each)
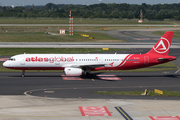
(73, 71)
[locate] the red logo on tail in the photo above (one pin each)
(162, 46)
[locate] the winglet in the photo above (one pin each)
(163, 45)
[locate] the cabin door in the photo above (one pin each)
(146, 60)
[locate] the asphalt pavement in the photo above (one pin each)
(47, 96)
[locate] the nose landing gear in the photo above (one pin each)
(23, 72)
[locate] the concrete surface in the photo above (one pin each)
(39, 108)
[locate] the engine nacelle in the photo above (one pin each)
(73, 71)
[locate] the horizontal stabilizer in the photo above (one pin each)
(170, 58)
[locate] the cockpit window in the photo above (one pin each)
(12, 59)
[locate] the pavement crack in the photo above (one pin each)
(149, 111)
(165, 111)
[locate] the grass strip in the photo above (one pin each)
(166, 93)
(13, 36)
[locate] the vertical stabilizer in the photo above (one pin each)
(163, 45)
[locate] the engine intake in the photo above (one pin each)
(73, 71)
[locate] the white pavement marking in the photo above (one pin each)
(71, 78)
(110, 78)
(105, 75)
(177, 70)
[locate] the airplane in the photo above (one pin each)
(78, 64)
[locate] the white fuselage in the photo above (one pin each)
(63, 60)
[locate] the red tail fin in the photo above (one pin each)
(163, 45)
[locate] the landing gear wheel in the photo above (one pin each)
(89, 75)
(23, 73)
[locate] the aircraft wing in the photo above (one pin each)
(88, 65)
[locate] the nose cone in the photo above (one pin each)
(5, 64)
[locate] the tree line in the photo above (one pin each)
(102, 10)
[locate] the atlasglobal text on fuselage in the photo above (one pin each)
(78, 64)
(49, 59)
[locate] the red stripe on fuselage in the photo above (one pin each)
(124, 61)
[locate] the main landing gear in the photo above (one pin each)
(89, 75)
(23, 72)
